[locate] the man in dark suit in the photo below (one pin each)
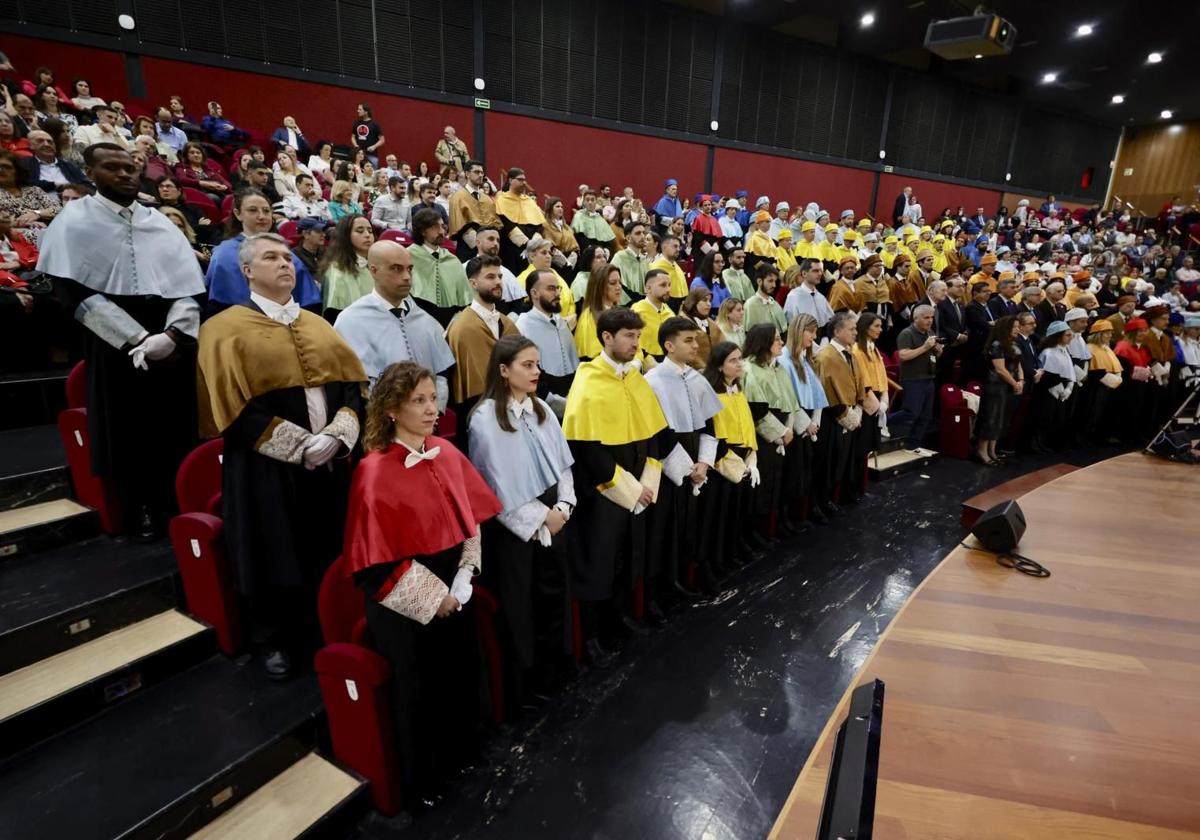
(901, 206)
(46, 170)
(1052, 308)
(1002, 303)
(979, 321)
(1026, 342)
(952, 330)
(1032, 299)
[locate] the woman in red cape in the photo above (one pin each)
(412, 545)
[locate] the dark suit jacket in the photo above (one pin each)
(898, 208)
(951, 320)
(1029, 360)
(33, 169)
(1038, 316)
(1046, 312)
(979, 324)
(999, 307)
(280, 139)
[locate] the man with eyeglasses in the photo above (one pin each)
(520, 218)
(471, 208)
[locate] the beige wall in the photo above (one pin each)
(1166, 162)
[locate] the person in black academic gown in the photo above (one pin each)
(412, 544)
(129, 277)
(286, 393)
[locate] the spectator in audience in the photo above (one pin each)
(43, 77)
(341, 201)
(168, 194)
(391, 210)
(202, 251)
(103, 130)
(285, 394)
(900, 208)
(289, 134)
(344, 277)
(306, 202)
(9, 141)
(179, 114)
(366, 134)
(918, 348)
(26, 319)
(241, 166)
(320, 163)
(258, 176)
(168, 132)
(31, 208)
(451, 150)
(1002, 388)
(83, 99)
(312, 243)
(63, 141)
(47, 102)
(45, 168)
(141, 323)
(24, 114)
(197, 172)
(220, 130)
(250, 214)
(144, 129)
(286, 169)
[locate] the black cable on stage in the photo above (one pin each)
(1012, 560)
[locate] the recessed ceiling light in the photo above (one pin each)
(1084, 30)
(1118, 98)
(1166, 114)
(867, 19)
(1154, 58)
(1047, 78)
(977, 55)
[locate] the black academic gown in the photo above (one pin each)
(675, 531)
(769, 495)
(141, 422)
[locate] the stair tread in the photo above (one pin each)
(149, 751)
(897, 457)
(41, 681)
(29, 516)
(30, 449)
(287, 805)
(40, 585)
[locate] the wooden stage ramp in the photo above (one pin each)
(1065, 707)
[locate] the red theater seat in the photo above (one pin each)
(397, 236)
(203, 203)
(955, 422)
(90, 489)
(198, 538)
(288, 231)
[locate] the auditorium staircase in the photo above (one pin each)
(118, 717)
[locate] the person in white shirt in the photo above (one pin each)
(805, 299)
(168, 132)
(306, 202)
(391, 210)
(103, 131)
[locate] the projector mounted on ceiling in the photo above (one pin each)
(981, 34)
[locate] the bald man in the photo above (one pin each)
(450, 150)
(387, 325)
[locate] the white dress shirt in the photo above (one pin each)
(314, 398)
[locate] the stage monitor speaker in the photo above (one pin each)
(1000, 527)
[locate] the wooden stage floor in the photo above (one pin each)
(1064, 707)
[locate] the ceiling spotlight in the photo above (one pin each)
(1154, 58)
(714, 125)
(882, 154)
(480, 84)
(1166, 114)
(1118, 98)
(867, 19)
(1047, 78)
(1007, 176)
(977, 55)
(1083, 30)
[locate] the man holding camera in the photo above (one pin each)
(919, 349)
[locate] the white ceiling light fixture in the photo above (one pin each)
(1048, 78)
(1118, 98)
(714, 125)
(1166, 114)
(480, 84)
(978, 55)
(1084, 30)
(126, 22)
(882, 154)
(867, 20)
(1154, 58)
(1007, 176)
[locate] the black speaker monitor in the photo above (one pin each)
(1000, 527)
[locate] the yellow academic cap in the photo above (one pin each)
(830, 226)
(807, 226)
(890, 240)
(786, 233)
(864, 223)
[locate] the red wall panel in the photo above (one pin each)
(933, 195)
(558, 157)
(259, 103)
(105, 69)
(798, 182)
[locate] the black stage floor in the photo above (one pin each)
(700, 729)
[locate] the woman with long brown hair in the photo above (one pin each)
(698, 307)
(804, 459)
(344, 277)
(1005, 382)
(412, 545)
(872, 376)
(518, 447)
(603, 292)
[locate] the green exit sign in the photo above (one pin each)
(888, 168)
(483, 103)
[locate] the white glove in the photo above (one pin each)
(572, 258)
(461, 587)
(755, 476)
(697, 487)
(544, 536)
(154, 347)
(320, 450)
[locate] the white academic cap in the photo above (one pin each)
(762, 199)
(783, 205)
(732, 203)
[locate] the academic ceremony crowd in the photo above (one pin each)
(584, 401)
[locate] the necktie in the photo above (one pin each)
(401, 310)
(846, 354)
(475, 193)
(414, 458)
(127, 214)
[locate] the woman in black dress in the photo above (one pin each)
(1004, 382)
